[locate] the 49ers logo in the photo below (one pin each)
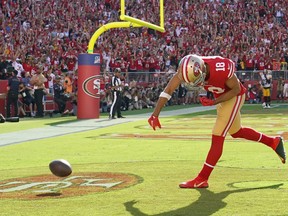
(78, 184)
(197, 68)
(91, 86)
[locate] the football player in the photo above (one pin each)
(215, 74)
(266, 81)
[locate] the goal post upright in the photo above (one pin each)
(159, 27)
(89, 63)
(128, 22)
(106, 27)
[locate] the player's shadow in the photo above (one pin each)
(200, 206)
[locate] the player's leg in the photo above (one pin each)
(119, 104)
(266, 95)
(113, 106)
(276, 143)
(269, 98)
(226, 114)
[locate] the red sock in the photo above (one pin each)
(251, 134)
(213, 156)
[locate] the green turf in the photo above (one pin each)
(249, 179)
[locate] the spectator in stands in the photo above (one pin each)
(18, 67)
(181, 94)
(50, 79)
(37, 81)
(136, 101)
(235, 28)
(280, 89)
(189, 94)
(249, 62)
(251, 95)
(106, 101)
(26, 79)
(27, 98)
(68, 83)
(21, 111)
(285, 91)
(127, 97)
(59, 96)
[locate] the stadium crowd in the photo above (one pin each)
(48, 36)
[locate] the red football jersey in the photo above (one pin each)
(221, 69)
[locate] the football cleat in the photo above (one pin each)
(111, 117)
(195, 183)
(280, 150)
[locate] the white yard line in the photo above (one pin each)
(83, 125)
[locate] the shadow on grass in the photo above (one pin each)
(61, 121)
(49, 195)
(207, 204)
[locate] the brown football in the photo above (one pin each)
(60, 168)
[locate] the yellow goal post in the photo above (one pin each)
(127, 22)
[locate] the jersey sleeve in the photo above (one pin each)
(231, 68)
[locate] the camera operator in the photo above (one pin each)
(68, 83)
(12, 97)
(59, 96)
(24, 91)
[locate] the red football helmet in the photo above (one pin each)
(192, 69)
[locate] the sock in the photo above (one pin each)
(251, 134)
(269, 100)
(265, 100)
(213, 156)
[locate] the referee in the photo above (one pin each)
(117, 99)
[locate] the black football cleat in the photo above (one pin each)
(280, 150)
(111, 117)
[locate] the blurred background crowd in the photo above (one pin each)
(47, 36)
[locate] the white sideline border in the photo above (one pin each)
(84, 125)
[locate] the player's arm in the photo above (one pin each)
(233, 84)
(163, 98)
(166, 94)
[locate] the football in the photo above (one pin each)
(60, 168)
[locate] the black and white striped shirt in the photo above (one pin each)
(116, 83)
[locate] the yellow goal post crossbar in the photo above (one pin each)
(128, 22)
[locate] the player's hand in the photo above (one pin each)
(154, 122)
(206, 101)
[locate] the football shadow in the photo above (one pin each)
(200, 206)
(49, 195)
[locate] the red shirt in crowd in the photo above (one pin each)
(261, 64)
(146, 65)
(139, 64)
(71, 64)
(249, 63)
(132, 65)
(27, 67)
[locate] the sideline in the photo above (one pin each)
(84, 125)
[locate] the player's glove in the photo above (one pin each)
(154, 122)
(206, 101)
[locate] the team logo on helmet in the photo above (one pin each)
(191, 69)
(197, 69)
